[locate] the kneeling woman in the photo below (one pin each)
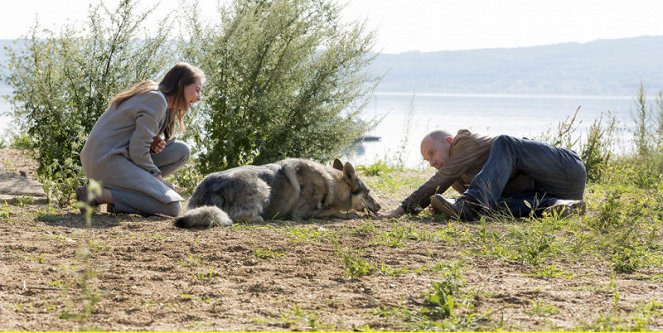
(130, 148)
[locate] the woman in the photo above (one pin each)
(130, 148)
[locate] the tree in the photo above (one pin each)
(62, 83)
(286, 78)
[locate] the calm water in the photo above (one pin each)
(408, 118)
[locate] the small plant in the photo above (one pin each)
(24, 200)
(82, 306)
(549, 272)
(609, 212)
(440, 302)
(93, 191)
(376, 169)
(596, 152)
(538, 308)
(627, 257)
(355, 266)
(191, 261)
(268, 253)
(5, 212)
(298, 319)
(206, 275)
(388, 271)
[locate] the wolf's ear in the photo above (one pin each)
(337, 164)
(349, 171)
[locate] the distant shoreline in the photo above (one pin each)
(503, 95)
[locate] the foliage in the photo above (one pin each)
(374, 169)
(596, 152)
(641, 117)
(285, 78)
(63, 81)
(356, 266)
(564, 136)
(440, 300)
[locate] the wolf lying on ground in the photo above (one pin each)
(289, 189)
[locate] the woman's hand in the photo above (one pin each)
(169, 184)
(158, 144)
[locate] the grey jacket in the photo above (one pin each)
(117, 151)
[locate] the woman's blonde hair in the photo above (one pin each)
(172, 85)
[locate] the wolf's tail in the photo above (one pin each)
(204, 217)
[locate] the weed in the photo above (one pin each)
(356, 266)
(440, 301)
(538, 308)
(205, 276)
(39, 259)
(82, 307)
(394, 271)
(191, 261)
(304, 234)
(396, 236)
(268, 253)
(298, 319)
(5, 212)
(549, 272)
(375, 169)
(24, 200)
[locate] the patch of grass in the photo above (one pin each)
(397, 236)
(268, 253)
(5, 212)
(304, 233)
(549, 272)
(355, 266)
(615, 320)
(376, 169)
(39, 259)
(205, 276)
(86, 297)
(538, 308)
(388, 271)
(190, 261)
(440, 302)
(298, 319)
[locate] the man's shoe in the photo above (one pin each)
(461, 209)
(84, 200)
(564, 208)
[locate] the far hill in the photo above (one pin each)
(603, 67)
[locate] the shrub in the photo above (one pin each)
(63, 81)
(596, 152)
(286, 78)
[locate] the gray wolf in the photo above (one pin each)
(289, 189)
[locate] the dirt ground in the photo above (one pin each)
(128, 273)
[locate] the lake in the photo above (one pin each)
(406, 118)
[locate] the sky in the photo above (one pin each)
(418, 25)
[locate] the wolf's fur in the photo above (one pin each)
(289, 189)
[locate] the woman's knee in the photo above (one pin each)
(173, 209)
(181, 149)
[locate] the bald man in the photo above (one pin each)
(502, 174)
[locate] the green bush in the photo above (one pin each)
(285, 78)
(596, 152)
(63, 81)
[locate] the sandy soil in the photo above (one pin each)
(130, 273)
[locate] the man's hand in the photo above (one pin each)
(396, 212)
(158, 144)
